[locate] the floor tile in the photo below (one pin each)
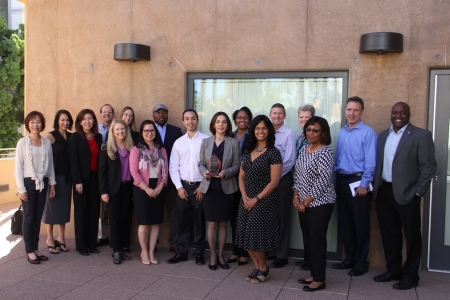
(288, 293)
(33, 288)
(244, 290)
(182, 286)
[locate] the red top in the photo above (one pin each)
(94, 154)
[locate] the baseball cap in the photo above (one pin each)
(160, 106)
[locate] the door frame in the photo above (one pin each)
(428, 199)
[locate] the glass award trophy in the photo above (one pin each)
(214, 165)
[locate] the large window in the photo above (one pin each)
(209, 93)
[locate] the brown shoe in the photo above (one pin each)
(35, 261)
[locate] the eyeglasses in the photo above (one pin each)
(242, 118)
(107, 112)
(147, 131)
(127, 115)
(312, 130)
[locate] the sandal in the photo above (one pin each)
(253, 275)
(50, 248)
(61, 245)
(264, 274)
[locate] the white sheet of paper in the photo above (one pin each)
(353, 186)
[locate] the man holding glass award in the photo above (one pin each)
(183, 168)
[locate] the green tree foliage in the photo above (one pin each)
(11, 83)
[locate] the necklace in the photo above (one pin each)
(260, 149)
(220, 139)
(317, 148)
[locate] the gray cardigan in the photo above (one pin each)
(230, 163)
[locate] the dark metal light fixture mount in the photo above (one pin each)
(131, 52)
(381, 42)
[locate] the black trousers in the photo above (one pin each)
(317, 219)
(392, 217)
(305, 235)
(284, 206)
(354, 221)
(187, 210)
(32, 214)
(233, 222)
(86, 209)
(120, 208)
(170, 204)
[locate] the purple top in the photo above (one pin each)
(124, 162)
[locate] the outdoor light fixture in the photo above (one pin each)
(131, 52)
(381, 42)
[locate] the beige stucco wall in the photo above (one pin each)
(7, 178)
(70, 43)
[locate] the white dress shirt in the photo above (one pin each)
(389, 151)
(285, 143)
(184, 159)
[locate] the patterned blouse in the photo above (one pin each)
(313, 173)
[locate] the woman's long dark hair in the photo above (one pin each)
(157, 140)
(251, 141)
(58, 115)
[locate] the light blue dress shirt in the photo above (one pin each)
(162, 131)
(389, 151)
(285, 143)
(103, 130)
(356, 152)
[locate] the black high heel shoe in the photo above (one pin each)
(212, 267)
(304, 281)
(232, 260)
(310, 289)
(242, 263)
(223, 266)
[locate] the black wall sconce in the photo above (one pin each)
(381, 42)
(131, 52)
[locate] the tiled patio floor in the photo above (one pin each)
(71, 276)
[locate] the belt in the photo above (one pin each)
(349, 175)
(386, 182)
(191, 182)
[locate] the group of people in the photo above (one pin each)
(250, 176)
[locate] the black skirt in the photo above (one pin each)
(218, 205)
(149, 211)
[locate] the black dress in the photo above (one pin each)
(57, 209)
(257, 230)
(218, 205)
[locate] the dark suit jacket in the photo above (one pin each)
(109, 173)
(414, 164)
(80, 157)
(230, 163)
(172, 134)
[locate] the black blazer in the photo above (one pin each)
(172, 134)
(80, 157)
(109, 173)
